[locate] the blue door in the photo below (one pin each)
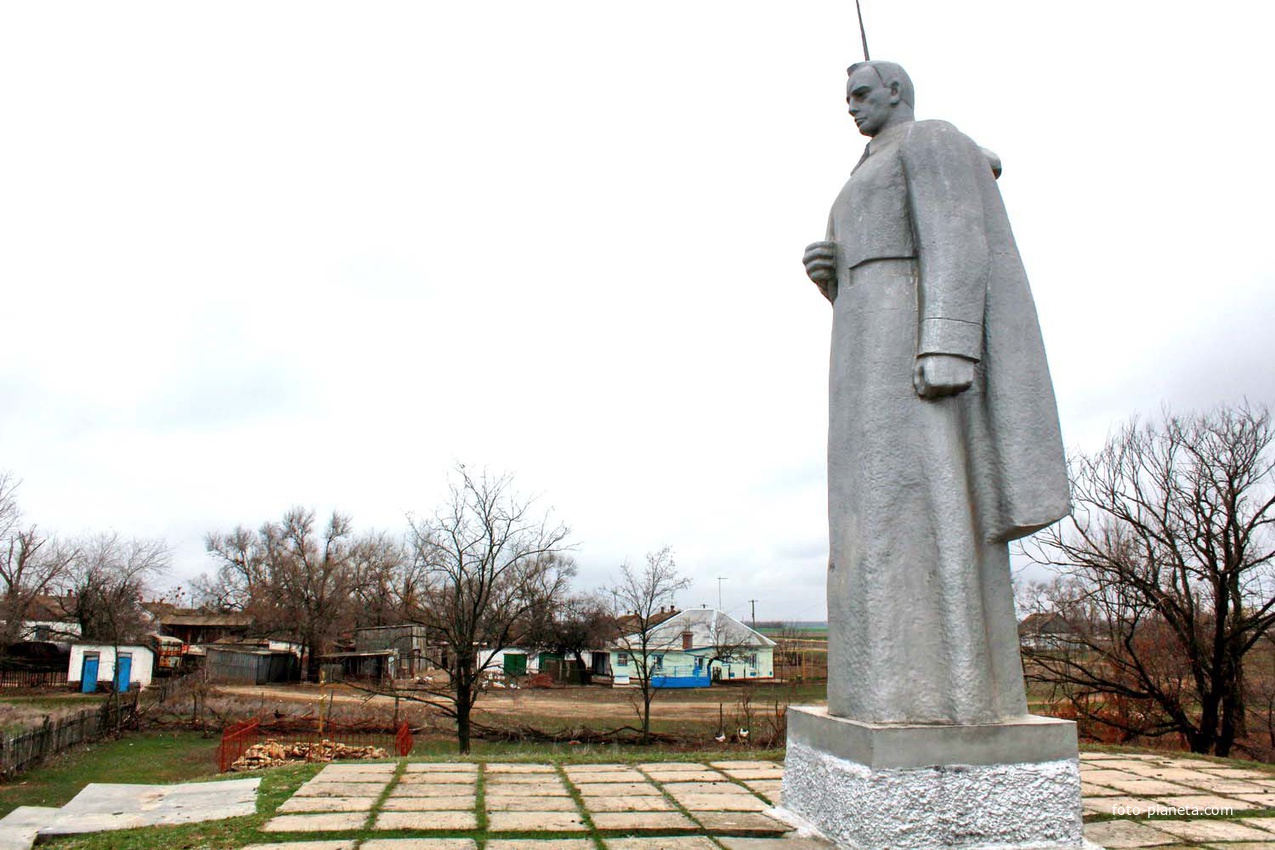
(123, 669)
(88, 674)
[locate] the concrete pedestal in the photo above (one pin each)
(870, 787)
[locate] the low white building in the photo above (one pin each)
(93, 666)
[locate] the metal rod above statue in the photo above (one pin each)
(863, 34)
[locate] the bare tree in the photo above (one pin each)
(112, 575)
(642, 597)
(31, 564)
(485, 561)
(573, 626)
(1166, 576)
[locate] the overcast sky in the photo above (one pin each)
(256, 255)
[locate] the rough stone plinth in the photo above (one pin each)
(871, 786)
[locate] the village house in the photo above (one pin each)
(693, 649)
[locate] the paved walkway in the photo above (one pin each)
(633, 807)
(1129, 801)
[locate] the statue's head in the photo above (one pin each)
(880, 94)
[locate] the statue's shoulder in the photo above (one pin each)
(935, 132)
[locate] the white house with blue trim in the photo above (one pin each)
(693, 649)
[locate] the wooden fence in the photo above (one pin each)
(31, 678)
(23, 751)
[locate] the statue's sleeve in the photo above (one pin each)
(943, 168)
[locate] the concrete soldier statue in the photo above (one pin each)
(943, 445)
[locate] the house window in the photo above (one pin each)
(622, 659)
(659, 662)
(752, 659)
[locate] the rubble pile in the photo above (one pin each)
(272, 753)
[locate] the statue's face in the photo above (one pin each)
(871, 101)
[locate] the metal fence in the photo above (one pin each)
(238, 737)
(23, 751)
(235, 741)
(31, 678)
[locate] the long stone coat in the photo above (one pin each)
(923, 494)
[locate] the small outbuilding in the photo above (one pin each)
(94, 667)
(251, 665)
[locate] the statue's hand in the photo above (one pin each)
(939, 375)
(821, 263)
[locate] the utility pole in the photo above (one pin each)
(753, 602)
(720, 579)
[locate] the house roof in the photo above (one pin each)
(708, 628)
(1044, 622)
(192, 618)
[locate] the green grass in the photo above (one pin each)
(140, 758)
(277, 785)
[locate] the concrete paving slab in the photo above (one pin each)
(101, 807)
(343, 844)
(540, 844)
(1236, 773)
(746, 765)
(721, 802)
(628, 804)
(522, 778)
(586, 768)
(379, 769)
(642, 821)
(681, 842)
(331, 822)
(530, 804)
(741, 823)
(429, 804)
(1119, 834)
(439, 778)
(419, 844)
(607, 789)
(441, 767)
(1211, 829)
(1266, 801)
(519, 768)
(1267, 824)
(450, 821)
(724, 787)
(790, 842)
(1098, 756)
(535, 822)
(684, 775)
(755, 773)
(1125, 806)
(1102, 777)
(18, 828)
(1146, 787)
(1125, 762)
(528, 789)
(1223, 785)
(766, 787)
(1204, 803)
(685, 766)
(302, 805)
(1088, 789)
(408, 789)
(731, 842)
(606, 776)
(341, 789)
